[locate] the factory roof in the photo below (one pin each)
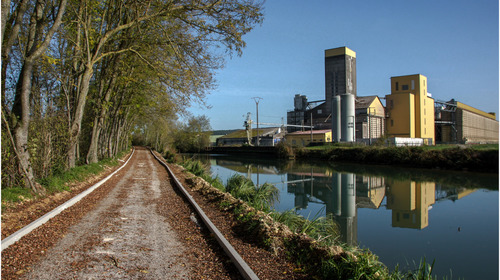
(243, 133)
(309, 132)
(364, 101)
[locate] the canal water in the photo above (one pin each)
(402, 215)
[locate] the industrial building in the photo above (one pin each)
(410, 116)
(305, 138)
(267, 137)
(370, 118)
(460, 123)
(337, 110)
(410, 109)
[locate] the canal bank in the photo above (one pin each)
(468, 158)
(403, 215)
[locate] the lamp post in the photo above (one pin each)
(257, 100)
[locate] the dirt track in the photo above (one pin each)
(128, 228)
(135, 226)
(123, 237)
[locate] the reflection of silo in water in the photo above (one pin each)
(344, 192)
(301, 201)
(336, 193)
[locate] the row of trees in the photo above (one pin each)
(79, 76)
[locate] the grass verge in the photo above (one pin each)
(59, 182)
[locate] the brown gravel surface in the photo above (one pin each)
(264, 263)
(18, 215)
(136, 226)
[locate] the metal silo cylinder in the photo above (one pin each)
(348, 117)
(336, 123)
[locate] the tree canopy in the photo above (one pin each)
(79, 76)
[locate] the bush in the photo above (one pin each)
(285, 150)
(195, 166)
(260, 197)
(171, 156)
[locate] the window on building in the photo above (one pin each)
(412, 84)
(392, 122)
(392, 103)
(424, 111)
(397, 86)
(404, 87)
(320, 111)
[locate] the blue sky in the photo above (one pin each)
(454, 43)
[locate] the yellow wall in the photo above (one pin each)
(407, 93)
(305, 139)
(474, 110)
(401, 120)
(376, 108)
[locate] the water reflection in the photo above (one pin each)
(409, 198)
(400, 214)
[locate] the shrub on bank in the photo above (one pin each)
(449, 158)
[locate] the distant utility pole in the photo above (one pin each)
(257, 100)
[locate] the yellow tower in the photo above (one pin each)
(410, 108)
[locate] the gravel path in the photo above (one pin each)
(123, 237)
(135, 226)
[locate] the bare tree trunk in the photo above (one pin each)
(21, 111)
(77, 119)
(99, 121)
(5, 12)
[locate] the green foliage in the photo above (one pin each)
(285, 150)
(195, 166)
(216, 182)
(117, 70)
(60, 181)
(193, 136)
(199, 169)
(455, 157)
(324, 229)
(363, 265)
(16, 194)
(260, 197)
(171, 156)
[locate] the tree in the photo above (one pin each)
(193, 136)
(204, 24)
(107, 68)
(40, 34)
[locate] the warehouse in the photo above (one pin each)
(460, 123)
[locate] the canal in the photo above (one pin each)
(402, 215)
